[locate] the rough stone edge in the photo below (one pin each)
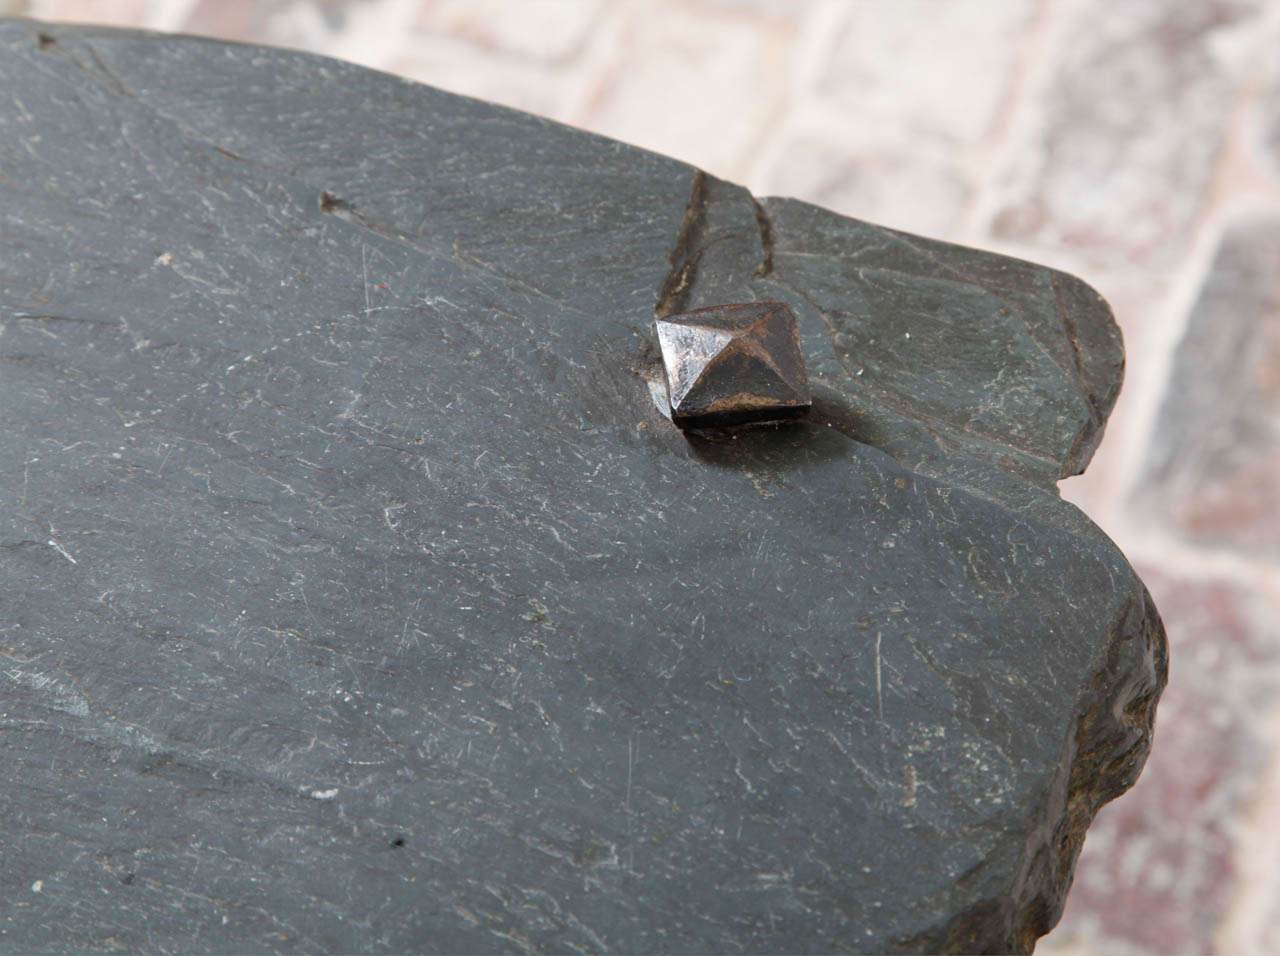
(1097, 344)
(1101, 760)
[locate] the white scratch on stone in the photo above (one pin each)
(26, 472)
(61, 550)
(364, 268)
(631, 847)
(630, 765)
(879, 684)
(387, 512)
(324, 794)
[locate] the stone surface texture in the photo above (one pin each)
(358, 597)
(1124, 142)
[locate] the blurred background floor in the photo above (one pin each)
(1135, 143)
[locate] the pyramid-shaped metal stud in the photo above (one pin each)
(729, 364)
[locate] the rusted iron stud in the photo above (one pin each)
(729, 364)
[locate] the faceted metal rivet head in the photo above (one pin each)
(733, 363)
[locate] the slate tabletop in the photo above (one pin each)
(357, 595)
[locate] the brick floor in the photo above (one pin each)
(1123, 137)
(1213, 469)
(1134, 142)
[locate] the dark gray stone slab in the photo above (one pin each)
(356, 595)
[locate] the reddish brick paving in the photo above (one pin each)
(1133, 142)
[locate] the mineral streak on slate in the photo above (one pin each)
(730, 364)
(356, 596)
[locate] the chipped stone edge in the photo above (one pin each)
(1101, 760)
